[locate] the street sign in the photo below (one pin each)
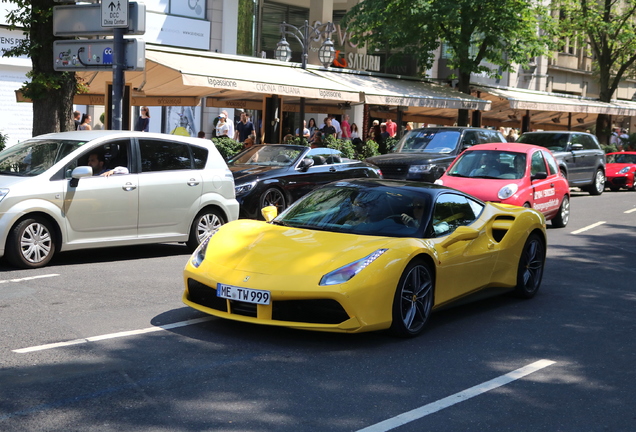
(114, 13)
(85, 20)
(96, 55)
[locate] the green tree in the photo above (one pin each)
(50, 91)
(609, 27)
(477, 36)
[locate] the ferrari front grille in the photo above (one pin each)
(205, 296)
(322, 311)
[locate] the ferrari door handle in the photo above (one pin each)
(551, 184)
(129, 187)
(193, 182)
(332, 169)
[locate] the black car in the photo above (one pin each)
(279, 174)
(424, 154)
(580, 157)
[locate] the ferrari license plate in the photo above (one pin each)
(247, 295)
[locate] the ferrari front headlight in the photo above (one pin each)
(439, 182)
(199, 255)
(507, 191)
(345, 273)
(624, 170)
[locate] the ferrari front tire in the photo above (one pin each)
(413, 300)
(530, 270)
(31, 243)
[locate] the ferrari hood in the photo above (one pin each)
(614, 168)
(259, 247)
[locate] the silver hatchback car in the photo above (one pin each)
(88, 189)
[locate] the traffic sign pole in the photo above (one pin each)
(118, 77)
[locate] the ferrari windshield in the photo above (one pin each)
(270, 154)
(375, 211)
(626, 158)
(33, 157)
(492, 164)
(429, 141)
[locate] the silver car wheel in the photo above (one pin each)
(203, 225)
(599, 183)
(31, 243)
(207, 223)
(35, 243)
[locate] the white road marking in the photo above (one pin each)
(439, 405)
(112, 335)
(28, 278)
(589, 227)
(631, 211)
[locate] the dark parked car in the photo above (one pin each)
(279, 174)
(424, 154)
(580, 157)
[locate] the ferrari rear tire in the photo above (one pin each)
(563, 216)
(31, 243)
(273, 197)
(530, 270)
(413, 300)
(206, 221)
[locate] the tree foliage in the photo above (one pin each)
(478, 36)
(51, 92)
(609, 27)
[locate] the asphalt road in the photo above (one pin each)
(83, 349)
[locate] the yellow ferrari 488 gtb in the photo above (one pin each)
(364, 255)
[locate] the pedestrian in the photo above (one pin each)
(336, 124)
(354, 131)
(222, 129)
(512, 135)
(409, 126)
(328, 129)
(244, 128)
(201, 134)
(86, 123)
(312, 128)
(230, 124)
(305, 130)
(391, 127)
(77, 118)
(143, 121)
(346, 128)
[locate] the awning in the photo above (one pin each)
(173, 73)
(407, 92)
(547, 110)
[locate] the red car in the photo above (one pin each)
(620, 171)
(512, 173)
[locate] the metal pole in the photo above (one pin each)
(301, 128)
(119, 65)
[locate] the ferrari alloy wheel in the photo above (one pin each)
(599, 183)
(31, 243)
(206, 221)
(530, 270)
(273, 197)
(563, 216)
(413, 300)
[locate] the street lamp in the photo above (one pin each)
(326, 53)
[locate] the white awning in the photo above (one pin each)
(174, 72)
(379, 90)
(520, 99)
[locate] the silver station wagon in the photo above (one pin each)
(89, 189)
